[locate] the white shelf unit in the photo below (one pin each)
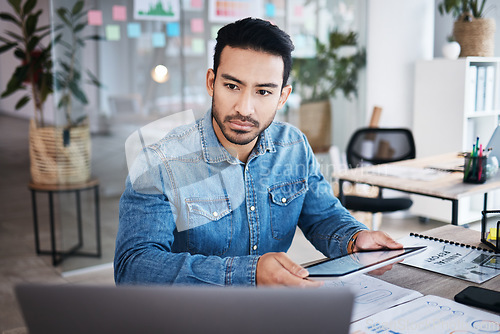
(446, 119)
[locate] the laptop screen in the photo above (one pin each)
(109, 309)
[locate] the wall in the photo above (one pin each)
(399, 33)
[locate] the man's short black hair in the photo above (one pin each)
(259, 35)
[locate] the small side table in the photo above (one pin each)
(58, 256)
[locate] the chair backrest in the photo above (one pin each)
(373, 146)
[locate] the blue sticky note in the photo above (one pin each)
(173, 29)
(158, 40)
(134, 30)
(270, 10)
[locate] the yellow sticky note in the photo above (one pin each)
(493, 234)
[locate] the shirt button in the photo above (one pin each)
(254, 247)
(283, 200)
(252, 208)
(215, 213)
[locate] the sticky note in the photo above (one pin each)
(113, 32)
(198, 45)
(197, 25)
(298, 11)
(173, 29)
(158, 40)
(133, 30)
(270, 10)
(119, 13)
(215, 30)
(94, 17)
(197, 4)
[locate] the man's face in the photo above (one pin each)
(245, 94)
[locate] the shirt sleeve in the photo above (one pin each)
(324, 221)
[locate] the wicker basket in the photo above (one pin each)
(476, 37)
(54, 163)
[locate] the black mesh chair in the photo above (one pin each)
(373, 146)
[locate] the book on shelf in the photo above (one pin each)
(472, 87)
(470, 263)
(480, 88)
(489, 92)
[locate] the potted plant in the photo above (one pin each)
(58, 154)
(474, 33)
(334, 69)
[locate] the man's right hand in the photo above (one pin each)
(279, 269)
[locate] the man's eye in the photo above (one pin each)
(263, 92)
(231, 86)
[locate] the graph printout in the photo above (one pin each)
(453, 259)
(429, 314)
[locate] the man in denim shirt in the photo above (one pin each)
(218, 201)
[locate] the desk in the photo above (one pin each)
(449, 187)
(58, 256)
(430, 283)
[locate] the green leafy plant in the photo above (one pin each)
(68, 73)
(322, 76)
(35, 68)
(457, 8)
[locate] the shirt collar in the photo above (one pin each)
(214, 152)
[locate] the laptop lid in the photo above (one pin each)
(109, 309)
(494, 144)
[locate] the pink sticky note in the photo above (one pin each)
(94, 17)
(299, 10)
(119, 13)
(197, 25)
(197, 4)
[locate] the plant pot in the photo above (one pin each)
(58, 160)
(476, 37)
(315, 122)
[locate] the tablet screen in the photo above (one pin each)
(359, 262)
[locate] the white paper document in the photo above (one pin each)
(453, 259)
(411, 173)
(372, 294)
(429, 314)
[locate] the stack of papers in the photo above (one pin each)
(412, 173)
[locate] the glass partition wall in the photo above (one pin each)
(152, 60)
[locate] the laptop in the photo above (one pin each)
(180, 309)
(494, 144)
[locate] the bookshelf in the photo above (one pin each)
(455, 101)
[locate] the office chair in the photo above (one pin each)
(373, 146)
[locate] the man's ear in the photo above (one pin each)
(285, 93)
(210, 82)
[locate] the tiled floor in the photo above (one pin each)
(18, 260)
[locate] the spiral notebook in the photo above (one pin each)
(470, 263)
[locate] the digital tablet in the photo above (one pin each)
(358, 262)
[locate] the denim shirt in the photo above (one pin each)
(192, 213)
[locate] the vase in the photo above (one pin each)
(59, 156)
(451, 50)
(476, 37)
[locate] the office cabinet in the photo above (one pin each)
(455, 102)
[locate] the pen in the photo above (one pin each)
(480, 162)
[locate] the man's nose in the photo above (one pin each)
(244, 105)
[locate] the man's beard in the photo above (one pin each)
(235, 139)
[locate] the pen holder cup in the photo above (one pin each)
(475, 169)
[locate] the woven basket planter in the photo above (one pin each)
(54, 163)
(315, 122)
(476, 37)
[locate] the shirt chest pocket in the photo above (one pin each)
(286, 200)
(210, 225)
